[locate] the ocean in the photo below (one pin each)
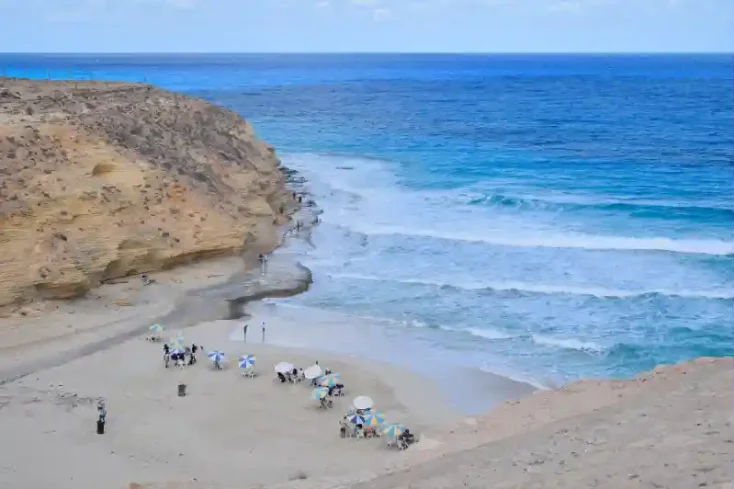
(542, 217)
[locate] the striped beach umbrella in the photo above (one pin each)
(319, 393)
(330, 380)
(157, 328)
(247, 361)
(374, 418)
(393, 430)
(356, 419)
(176, 351)
(216, 356)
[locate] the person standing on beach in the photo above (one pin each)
(261, 259)
(263, 331)
(244, 332)
(166, 354)
(265, 265)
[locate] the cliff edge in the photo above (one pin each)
(102, 180)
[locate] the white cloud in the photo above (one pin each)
(323, 4)
(382, 14)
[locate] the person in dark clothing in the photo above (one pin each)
(281, 377)
(101, 411)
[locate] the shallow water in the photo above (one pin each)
(542, 217)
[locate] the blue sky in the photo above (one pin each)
(366, 25)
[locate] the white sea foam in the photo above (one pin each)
(567, 343)
(578, 241)
(547, 289)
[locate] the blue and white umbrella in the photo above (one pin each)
(216, 356)
(247, 361)
(176, 351)
(356, 419)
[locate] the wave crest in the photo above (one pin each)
(522, 287)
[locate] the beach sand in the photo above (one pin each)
(228, 429)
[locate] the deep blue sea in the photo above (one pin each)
(542, 217)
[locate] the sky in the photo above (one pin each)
(366, 25)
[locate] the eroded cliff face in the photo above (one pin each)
(102, 180)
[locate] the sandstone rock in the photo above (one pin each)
(146, 181)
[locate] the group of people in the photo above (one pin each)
(294, 376)
(180, 358)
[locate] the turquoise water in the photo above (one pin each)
(543, 217)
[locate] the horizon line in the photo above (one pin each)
(331, 53)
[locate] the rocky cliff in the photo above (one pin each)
(103, 180)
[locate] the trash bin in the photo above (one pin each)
(100, 427)
(181, 390)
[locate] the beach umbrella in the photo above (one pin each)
(175, 344)
(216, 355)
(319, 393)
(393, 430)
(157, 328)
(312, 372)
(374, 418)
(363, 402)
(247, 361)
(176, 351)
(356, 419)
(330, 380)
(284, 368)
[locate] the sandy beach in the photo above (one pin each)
(227, 430)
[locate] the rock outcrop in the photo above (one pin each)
(103, 180)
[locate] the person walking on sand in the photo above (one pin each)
(263, 331)
(244, 332)
(166, 354)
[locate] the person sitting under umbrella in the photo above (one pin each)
(405, 439)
